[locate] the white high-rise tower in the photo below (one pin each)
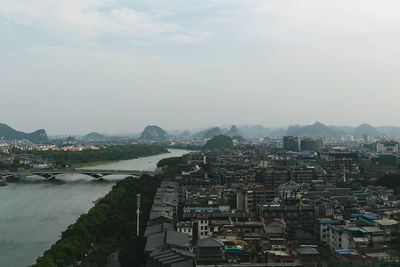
(137, 214)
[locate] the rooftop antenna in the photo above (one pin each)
(137, 214)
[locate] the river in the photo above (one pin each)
(33, 213)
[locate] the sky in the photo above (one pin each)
(75, 66)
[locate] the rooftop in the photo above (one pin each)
(210, 242)
(386, 222)
(307, 251)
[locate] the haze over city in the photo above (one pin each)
(117, 66)
(199, 133)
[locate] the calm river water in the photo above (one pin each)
(33, 213)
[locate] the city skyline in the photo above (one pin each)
(204, 133)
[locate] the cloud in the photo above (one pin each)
(190, 21)
(94, 19)
(288, 57)
(305, 21)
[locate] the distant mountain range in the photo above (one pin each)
(254, 131)
(394, 131)
(318, 130)
(184, 134)
(321, 130)
(234, 131)
(93, 136)
(209, 133)
(8, 133)
(366, 129)
(156, 133)
(153, 132)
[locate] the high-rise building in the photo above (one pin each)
(310, 144)
(291, 143)
(387, 147)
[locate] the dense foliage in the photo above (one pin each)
(392, 181)
(115, 152)
(219, 142)
(171, 166)
(106, 228)
(354, 185)
(169, 162)
(13, 166)
(186, 146)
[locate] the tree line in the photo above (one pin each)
(109, 226)
(110, 153)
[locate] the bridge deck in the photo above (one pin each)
(52, 173)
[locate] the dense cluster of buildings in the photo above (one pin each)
(30, 161)
(294, 202)
(70, 144)
(10, 160)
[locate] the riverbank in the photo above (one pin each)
(35, 212)
(109, 226)
(95, 164)
(89, 157)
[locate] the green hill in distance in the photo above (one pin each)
(8, 133)
(219, 142)
(153, 132)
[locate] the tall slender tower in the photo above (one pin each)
(137, 214)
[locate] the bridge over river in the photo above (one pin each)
(53, 173)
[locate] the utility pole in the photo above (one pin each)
(137, 214)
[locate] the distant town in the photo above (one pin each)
(312, 195)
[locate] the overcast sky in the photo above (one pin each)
(73, 66)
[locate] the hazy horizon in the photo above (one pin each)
(191, 130)
(73, 67)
